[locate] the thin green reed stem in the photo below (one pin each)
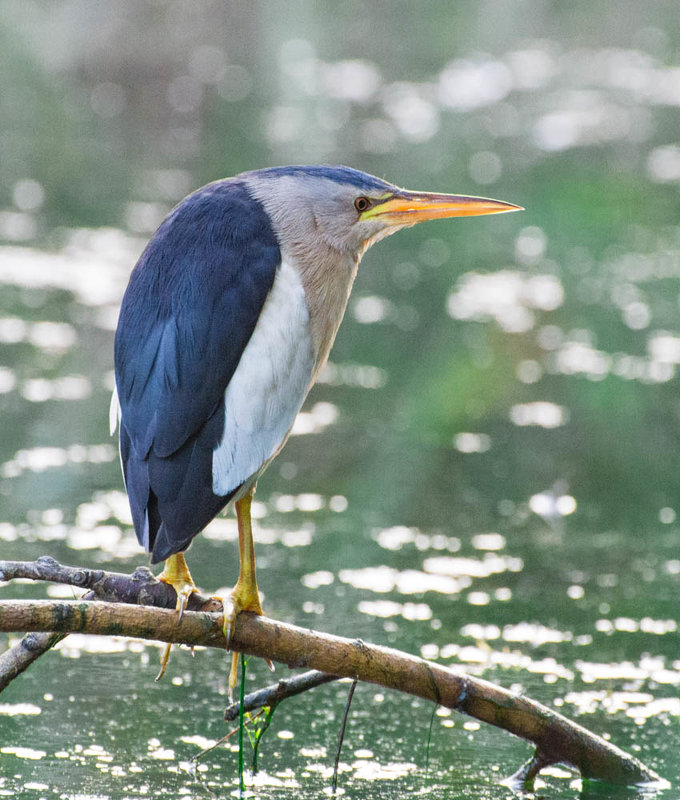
(260, 734)
(241, 724)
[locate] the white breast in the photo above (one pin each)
(268, 387)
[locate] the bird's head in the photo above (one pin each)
(348, 210)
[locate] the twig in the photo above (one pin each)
(283, 689)
(556, 738)
(341, 736)
(216, 744)
(429, 740)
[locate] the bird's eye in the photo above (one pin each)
(362, 204)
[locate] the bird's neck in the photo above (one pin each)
(326, 270)
(327, 277)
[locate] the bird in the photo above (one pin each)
(228, 317)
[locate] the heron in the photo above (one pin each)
(228, 317)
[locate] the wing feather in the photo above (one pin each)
(190, 309)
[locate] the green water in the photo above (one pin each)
(487, 473)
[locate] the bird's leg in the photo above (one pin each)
(245, 596)
(176, 573)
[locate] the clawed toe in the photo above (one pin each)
(244, 597)
(176, 573)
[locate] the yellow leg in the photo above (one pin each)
(245, 595)
(176, 573)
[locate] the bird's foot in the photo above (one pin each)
(176, 573)
(244, 597)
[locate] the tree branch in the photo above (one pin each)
(142, 587)
(18, 659)
(281, 690)
(556, 738)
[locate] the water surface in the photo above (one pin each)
(486, 473)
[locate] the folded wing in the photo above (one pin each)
(190, 309)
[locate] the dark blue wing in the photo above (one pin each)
(190, 308)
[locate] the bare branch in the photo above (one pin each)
(142, 587)
(281, 690)
(527, 772)
(19, 658)
(556, 738)
(341, 736)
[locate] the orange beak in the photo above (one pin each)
(408, 208)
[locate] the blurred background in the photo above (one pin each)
(486, 474)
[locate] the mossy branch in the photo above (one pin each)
(557, 739)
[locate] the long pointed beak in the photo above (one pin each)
(408, 208)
